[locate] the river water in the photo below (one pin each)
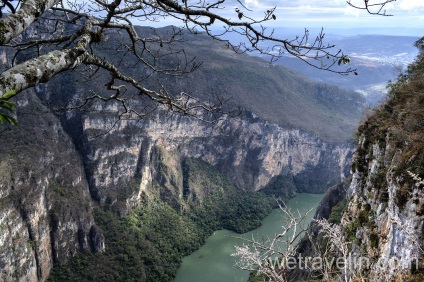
(213, 261)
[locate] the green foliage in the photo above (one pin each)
(148, 244)
(378, 180)
(337, 212)
(254, 277)
(333, 113)
(365, 216)
(374, 239)
(282, 186)
(224, 206)
(350, 230)
(398, 124)
(59, 190)
(6, 108)
(239, 212)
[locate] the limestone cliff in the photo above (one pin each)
(251, 152)
(384, 219)
(45, 206)
(385, 216)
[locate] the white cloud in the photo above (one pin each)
(250, 3)
(410, 5)
(328, 13)
(349, 11)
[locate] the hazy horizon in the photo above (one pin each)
(332, 16)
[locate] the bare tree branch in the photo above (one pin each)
(52, 36)
(39, 70)
(373, 7)
(271, 256)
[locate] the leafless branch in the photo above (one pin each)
(269, 256)
(373, 7)
(42, 30)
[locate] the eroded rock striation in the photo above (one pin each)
(45, 205)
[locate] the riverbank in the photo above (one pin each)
(213, 261)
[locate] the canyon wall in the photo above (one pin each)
(50, 180)
(45, 205)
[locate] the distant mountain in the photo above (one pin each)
(272, 92)
(378, 59)
(378, 54)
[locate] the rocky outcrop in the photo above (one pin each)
(45, 206)
(251, 152)
(385, 214)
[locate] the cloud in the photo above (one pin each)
(350, 11)
(327, 14)
(410, 5)
(250, 3)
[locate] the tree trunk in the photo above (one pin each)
(14, 24)
(40, 69)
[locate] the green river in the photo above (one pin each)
(213, 261)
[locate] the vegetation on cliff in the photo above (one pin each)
(398, 122)
(149, 243)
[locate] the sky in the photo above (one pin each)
(337, 13)
(408, 15)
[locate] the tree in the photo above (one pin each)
(273, 257)
(53, 36)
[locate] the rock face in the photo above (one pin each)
(383, 221)
(45, 205)
(251, 152)
(385, 214)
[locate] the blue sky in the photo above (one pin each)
(329, 14)
(337, 13)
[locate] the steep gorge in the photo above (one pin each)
(251, 153)
(55, 169)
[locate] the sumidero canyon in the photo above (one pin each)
(211, 141)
